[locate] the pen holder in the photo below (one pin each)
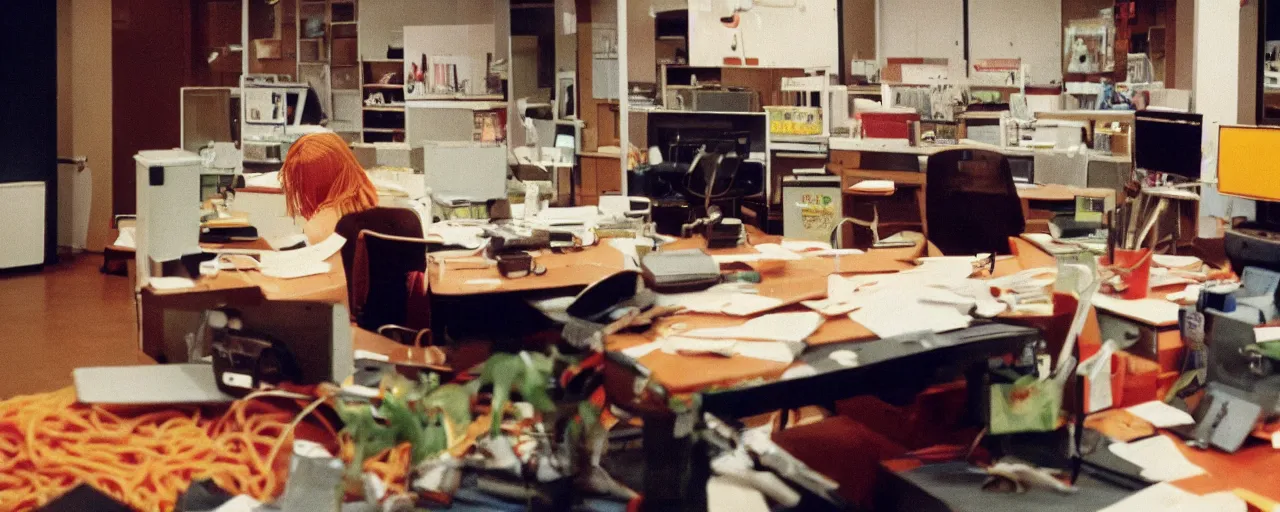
(1134, 268)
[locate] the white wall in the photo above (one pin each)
(1216, 80)
(381, 21)
(1018, 29)
(779, 37)
(84, 102)
(922, 28)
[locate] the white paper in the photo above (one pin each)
(1265, 334)
(642, 349)
(241, 503)
(1161, 415)
(310, 254)
(804, 246)
(873, 185)
(127, 238)
(263, 180)
(570, 22)
(1170, 260)
(776, 351)
(171, 283)
(835, 252)
(296, 270)
(1161, 496)
(720, 300)
(365, 354)
(283, 241)
(1097, 370)
(726, 495)
(897, 312)
(775, 327)
(1150, 311)
(764, 252)
(1158, 457)
(470, 237)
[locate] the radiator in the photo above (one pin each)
(22, 208)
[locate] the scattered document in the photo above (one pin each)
(1265, 334)
(721, 300)
(776, 351)
(1158, 457)
(171, 283)
(127, 238)
(873, 186)
(726, 495)
(1168, 498)
(269, 180)
(1170, 260)
(835, 252)
(310, 254)
(764, 252)
(470, 237)
(1151, 311)
(1161, 415)
(296, 270)
(898, 312)
(776, 327)
(804, 246)
(1097, 371)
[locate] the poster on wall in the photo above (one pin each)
(770, 33)
(1088, 46)
(446, 60)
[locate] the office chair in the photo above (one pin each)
(971, 203)
(385, 263)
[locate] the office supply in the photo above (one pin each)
(1168, 142)
(1147, 311)
(1160, 414)
(1224, 418)
(1161, 496)
(1158, 457)
(683, 270)
(148, 385)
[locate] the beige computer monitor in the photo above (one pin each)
(1248, 165)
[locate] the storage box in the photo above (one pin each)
(795, 120)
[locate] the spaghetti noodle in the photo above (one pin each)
(49, 444)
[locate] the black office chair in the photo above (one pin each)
(971, 202)
(378, 281)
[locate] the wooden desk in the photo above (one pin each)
(802, 279)
(228, 287)
(568, 270)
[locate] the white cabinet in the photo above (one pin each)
(22, 208)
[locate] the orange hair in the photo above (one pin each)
(321, 172)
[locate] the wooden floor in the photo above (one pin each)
(65, 317)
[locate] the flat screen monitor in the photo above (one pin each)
(1168, 142)
(1246, 163)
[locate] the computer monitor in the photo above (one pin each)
(1168, 142)
(1246, 166)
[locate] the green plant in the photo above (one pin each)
(525, 372)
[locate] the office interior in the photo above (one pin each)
(722, 255)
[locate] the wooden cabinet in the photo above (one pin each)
(598, 175)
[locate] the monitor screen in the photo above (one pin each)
(1168, 142)
(1245, 166)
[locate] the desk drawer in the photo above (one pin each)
(1162, 345)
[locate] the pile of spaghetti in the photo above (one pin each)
(145, 458)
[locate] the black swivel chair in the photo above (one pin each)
(971, 202)
(393, 249)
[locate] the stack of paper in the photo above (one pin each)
(934, 297)
(303, 262)
(775, 337)
(1159, 459)
(721, 302)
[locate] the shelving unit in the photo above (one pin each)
(328, 60)
(382, 122)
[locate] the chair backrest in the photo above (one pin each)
(389, 261)
(971, 202)
(400, 222)
(388, 221)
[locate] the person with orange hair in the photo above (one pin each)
(322, 182)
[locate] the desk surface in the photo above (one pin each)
(473, 277)
(799, 280)
(876, 146)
